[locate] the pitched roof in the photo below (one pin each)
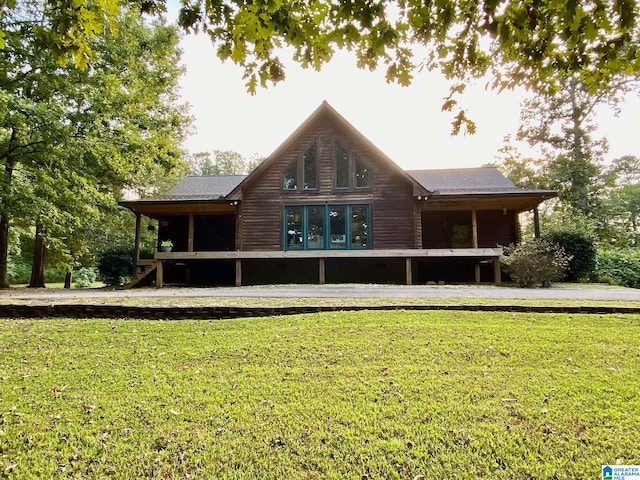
(326, 110)
(206, 187)
(464, 180)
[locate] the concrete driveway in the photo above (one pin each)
(556, 292)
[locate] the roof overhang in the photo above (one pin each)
(161, 208)
(518, 201)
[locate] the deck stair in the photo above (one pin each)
(144, 268)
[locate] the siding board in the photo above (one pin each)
(390, 196)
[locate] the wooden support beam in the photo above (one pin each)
(136, 254)
(238, 272)
(321, 272)
(536, 223)
(477, 273)
(497, 274)
(474, 228)
(408, 263)
(159, 279)
(190, 237)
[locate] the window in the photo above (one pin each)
(315, 227)
(342, 167)
(349, 171)
(337, 227)
(290, 177)
(321, 227)
(294, 228)
(362, 175)
(309, 168)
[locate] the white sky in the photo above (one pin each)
(404, 122)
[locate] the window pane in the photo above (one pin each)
(290, 177)
(362, 175)
(359, 226)
(342, 166)
(294, 228)
(309, 167)
(337, 227)
(315, 227)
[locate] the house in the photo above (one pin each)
(328, 206)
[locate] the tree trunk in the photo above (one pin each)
(37, 267)
(4, 250)
(5, 208)
(67, 279)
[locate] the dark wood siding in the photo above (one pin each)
(496, 227)
(389, 195)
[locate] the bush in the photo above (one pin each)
(582, 249)
(115, 266)
(18, 271)
(619, 266)
(84, 277)
(534, 263)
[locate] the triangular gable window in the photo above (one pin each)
(350, 172)
(307, 164)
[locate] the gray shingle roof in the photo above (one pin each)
(206, 187)
(464, 180)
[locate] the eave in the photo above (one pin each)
(160, 208)
(519, 201)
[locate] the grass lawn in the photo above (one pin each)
(377, 395)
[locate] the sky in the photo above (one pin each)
(406, 123)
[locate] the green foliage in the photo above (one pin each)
(581, 249)
(19, 271)
(84, 277)
(535, 263)
(74, 140)
(115, 266)
(619, 267)
(222, 162)
(386, 395)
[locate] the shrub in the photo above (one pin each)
(582, 249)
(84, 277)
(116, 266)
(619, 266)
(18, 271)
(533, 263)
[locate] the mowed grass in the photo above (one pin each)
(351, 395)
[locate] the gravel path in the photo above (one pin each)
(559, 292)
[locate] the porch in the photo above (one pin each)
(322, 264)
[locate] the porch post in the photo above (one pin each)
(136, 254)
(159, 275)
(497, 274)
(238, 272)
(536, 223)
(474, 228)
(190, 237)
(409, 271)
(321, 271)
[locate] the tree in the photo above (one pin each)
(563, 126)
(222, 162)
(79, 137)
(536, 43)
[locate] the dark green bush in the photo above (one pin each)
(535, 263)
(115, 266)
(18, 271)
(619, 267)
(582, 249)
(84, 277)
